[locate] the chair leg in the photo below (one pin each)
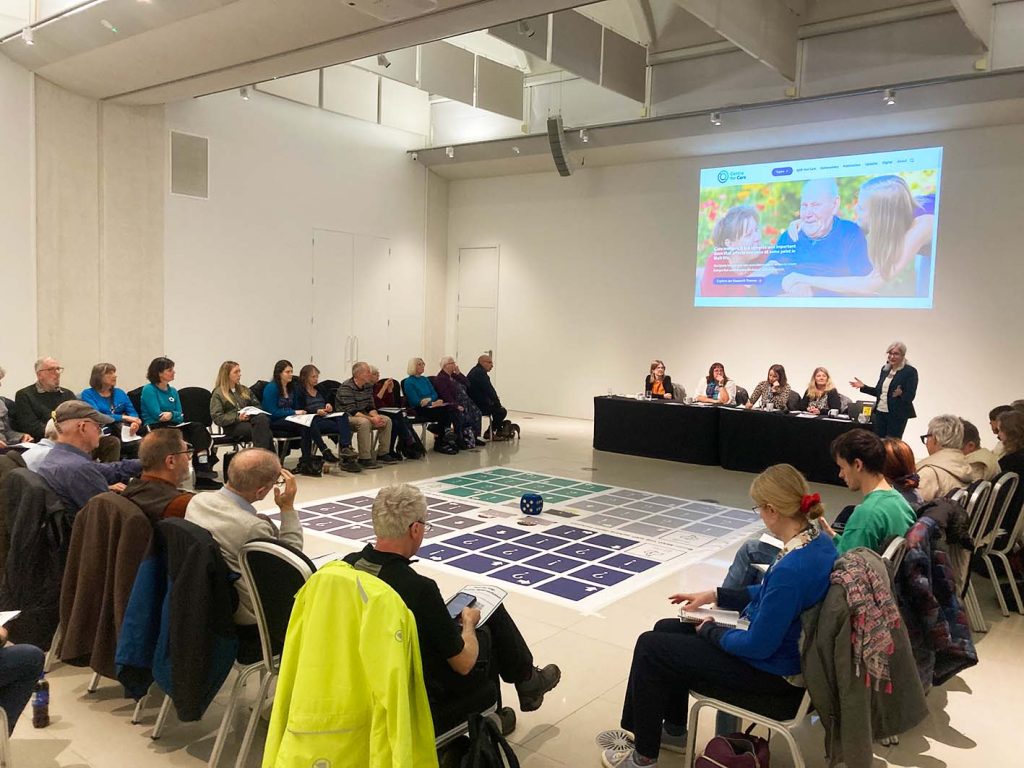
(94, 682)
(974, 611)
(54, 652)
(1012, 581)
(995, 583)
(161, 719)
(254, 718)
(225, 723)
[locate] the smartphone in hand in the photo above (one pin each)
(457, 603)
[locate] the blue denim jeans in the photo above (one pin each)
(751, 551)
(20, 667)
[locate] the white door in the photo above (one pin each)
(477, 322)
(332, 311)
(371, 289)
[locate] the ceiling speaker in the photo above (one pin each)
(556, 140)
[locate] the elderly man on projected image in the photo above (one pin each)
(824, 246)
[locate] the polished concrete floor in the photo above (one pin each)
(972, 720)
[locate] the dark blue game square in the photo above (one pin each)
(328, 507)
(438, 553)
(304, 514)
(569, 589)
(629, 563)
(584, 551)
(353, 515)
(571, 532)
(359, 501)
(612, 542)
(597, 574)
(553, 562)
(542, 541)
(504, 532)
(324, 524)
(477, 563)
(471, 541)
(520, 574)
(355, 533)
(461, 523)
(453, 507)
(511, 552)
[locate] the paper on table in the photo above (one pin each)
(804, 415)
(251, 410)
(487, 599)
(723, 617)
(6, 616)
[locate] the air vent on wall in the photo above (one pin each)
(190, 156)
(392, 10)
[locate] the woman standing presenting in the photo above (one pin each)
(894, 393)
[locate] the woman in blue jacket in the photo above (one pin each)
(281, 400)
(104, 395)
(756, 668)
(161, 409)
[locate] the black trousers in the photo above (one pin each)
(497, 414)
(671, 661)
(255, 430)
(193, 433)
(400, 429)
(887, 425)
(442, 417)
(503, 654)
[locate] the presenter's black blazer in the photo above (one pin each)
(666, 382)
(903, 406)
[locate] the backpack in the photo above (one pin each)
(487, 747)
(737, 750)
(505, 431)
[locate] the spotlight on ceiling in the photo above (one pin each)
(449, 152)
(716, 118)
(109, 26)
(889, 97)
(28, 36)
(515, 150)
(523, 28)
(244, 92)
(383, 61)
(584, 136)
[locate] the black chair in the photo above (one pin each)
(135, 395)
(195, 406)
(274, 573)
(329, 387)
(284, 441)
(742, 396)
(793, 402)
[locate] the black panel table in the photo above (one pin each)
(656, 429)
(750, 441)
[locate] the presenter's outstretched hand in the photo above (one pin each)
(856, 383)
(694, 599)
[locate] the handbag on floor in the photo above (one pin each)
(487, 747)
(737, 750)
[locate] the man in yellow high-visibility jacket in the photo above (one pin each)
(460, 659)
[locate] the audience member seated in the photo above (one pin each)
(883, 512)
(453, 387)
(901, 471)
(70, 469)
(280, 401)
(20, 668)
(755, 669)
(657, 384)
(716, 388)
(424, 400)
(227, 400)
(165, 467)
(36, 452)
(993, 422)
(983, 463)
(8, 434)
(458, 656)
(161, 409)
(34, 406)
(404, 443)
(1011, 435)
(894, 393)
(311, 399)
(355, 397)
(821, 395)
(944, 468)
(774, 390)
(104, 395)
(229, 516)
(482, 393)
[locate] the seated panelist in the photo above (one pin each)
(773, 390)
(716, 388)
(821, 395)
(658, 384)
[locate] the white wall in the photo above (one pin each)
(597, 278)
(17, 254)
(238, 265)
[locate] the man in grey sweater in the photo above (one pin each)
(229, 515)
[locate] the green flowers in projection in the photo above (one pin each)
(778, 204)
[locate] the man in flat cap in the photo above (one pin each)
(70, 469)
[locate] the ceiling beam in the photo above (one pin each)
(766, 29)
(977, 17)
(643, 19)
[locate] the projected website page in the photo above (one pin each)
(851, 231)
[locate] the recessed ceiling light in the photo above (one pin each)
(28, 36)
(716, 118)
(449, 152)
(244, 92)
(889, 97)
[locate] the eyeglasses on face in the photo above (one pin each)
(187, 452)
(426, 526)
(55, 369)
(924, 438)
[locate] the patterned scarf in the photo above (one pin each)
(873, 616)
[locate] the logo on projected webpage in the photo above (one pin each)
(725, 176)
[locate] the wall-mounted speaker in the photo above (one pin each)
(556, 140)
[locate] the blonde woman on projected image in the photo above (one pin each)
(897, 227)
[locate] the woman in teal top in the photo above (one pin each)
(161, 408)
(421, 396)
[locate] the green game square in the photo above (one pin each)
(493, 478)
(478, 477)
(548, 487)
(460, 492)
(461, 480)
(555, 498)
(532, 478)
(493, 498)
(592, 487)
(504, 472)
(560, 482)
(487, 487)
(574, 492)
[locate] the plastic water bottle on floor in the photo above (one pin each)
(41, 703)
